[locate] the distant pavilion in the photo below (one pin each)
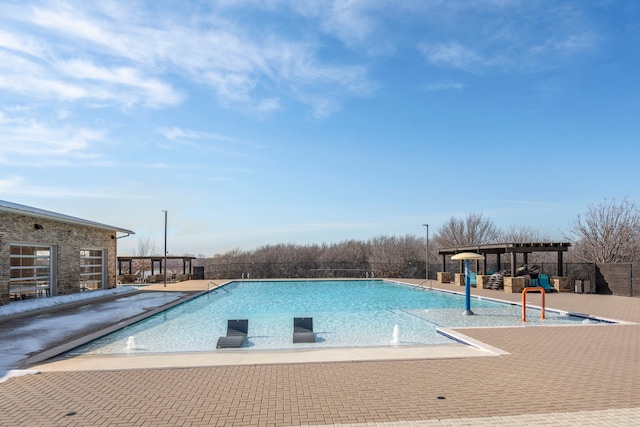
(513, 249)
(158, 260)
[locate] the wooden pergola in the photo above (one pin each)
(159, 259)
(513, 249)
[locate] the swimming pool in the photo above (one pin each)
(346, 313)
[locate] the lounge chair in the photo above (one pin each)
(473, 277)
(236, 334)
(303, 330)
(543, 279)
(496, 282)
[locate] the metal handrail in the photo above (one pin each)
(524, 302)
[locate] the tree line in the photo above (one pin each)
(608, 232)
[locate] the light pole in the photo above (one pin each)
(427, 253)
(165, 248)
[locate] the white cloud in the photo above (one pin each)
(209, 142)
(19, 186)
(8, 184)
(22, 43)
(125, 55)
(120, 54)
(149, 90)
(349, 21)
(176, 134)
(505, 36)
(446, 85)
(451, 55)
(28, 141)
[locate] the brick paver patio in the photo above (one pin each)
(585, 375)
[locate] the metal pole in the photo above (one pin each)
(165, 248)
(427, 254)
(467, 288)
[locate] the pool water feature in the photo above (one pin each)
(346, 313)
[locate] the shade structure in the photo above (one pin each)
(467, 256)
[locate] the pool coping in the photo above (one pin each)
(471, 349)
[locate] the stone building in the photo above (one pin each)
(43, 253)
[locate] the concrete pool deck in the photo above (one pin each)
(570, 375)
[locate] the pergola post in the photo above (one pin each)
(513, 264)
(560, 270)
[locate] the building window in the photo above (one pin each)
(91, 269)
(30, 272)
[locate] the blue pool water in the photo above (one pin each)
(345, 314)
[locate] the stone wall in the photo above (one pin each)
(67, 239)
(4, 264)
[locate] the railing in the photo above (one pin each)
(216, 288)
(524, 302)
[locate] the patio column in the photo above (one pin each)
(560, 270)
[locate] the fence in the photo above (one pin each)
(612, 279)
(406, 270)
(618, 279)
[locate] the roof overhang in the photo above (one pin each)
(18, 209)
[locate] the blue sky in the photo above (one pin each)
(283, 121)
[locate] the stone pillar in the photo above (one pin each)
(459, 279)
(513, 285)
(444, 277)
(562, 284)
(482, 281)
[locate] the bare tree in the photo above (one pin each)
(391, 256)
(522, 234)
(608, 232)
(146, 247)
(474, 229)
